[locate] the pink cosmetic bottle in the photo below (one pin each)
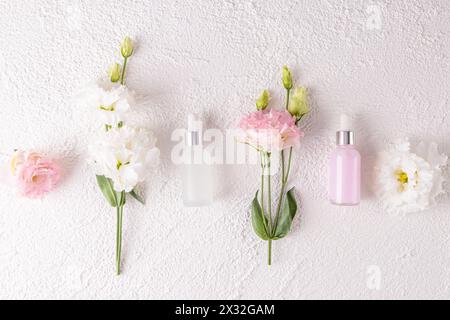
(345, 168)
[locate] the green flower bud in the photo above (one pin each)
(114, 72)
(127, 47)
(287, 78)
(298, 105)
(263, 101)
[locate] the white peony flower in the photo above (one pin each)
(409, 182)
(111, 100)
(124, 155)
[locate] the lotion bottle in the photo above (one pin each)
(345, 167)
(197, 172)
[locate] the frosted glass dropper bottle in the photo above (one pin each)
(197, 172)
(345, 167)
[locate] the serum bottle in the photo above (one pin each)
(197, 172)
(345, 168)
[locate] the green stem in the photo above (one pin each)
(268, 228)
(117, 241)
(288, 98)
(262, 192)
(269, 186)
(288, 95)
(283, 190)
(284, 173)
(124, 70)
(119, 232)
(271, 228)
(269, 259)
(289, 165)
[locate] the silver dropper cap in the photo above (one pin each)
(345, 135)
(192, 138)
(344, 138)
(194, 131)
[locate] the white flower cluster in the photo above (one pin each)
(111, 101)
(125, 155)
(409, 181)
(121, 153)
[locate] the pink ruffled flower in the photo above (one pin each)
(270, 131)
(35, 175)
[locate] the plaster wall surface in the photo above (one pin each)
(385, 62)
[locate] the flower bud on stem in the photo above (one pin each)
(114, 72)
(126, 49)
(263, 101)
(122, 80)
(287, 78)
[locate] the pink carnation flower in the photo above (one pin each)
(270, 131)
(35, 175)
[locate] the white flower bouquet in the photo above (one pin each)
(122, 154)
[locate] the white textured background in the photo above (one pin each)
(216, 57)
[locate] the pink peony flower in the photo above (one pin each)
(35, 175)
(270, 131)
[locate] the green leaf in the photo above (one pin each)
(259, 220)
(286, 216)
(135, 195)
(106, 188)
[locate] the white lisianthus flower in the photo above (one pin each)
(125, 155)
(409, 182)
(112, 101)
